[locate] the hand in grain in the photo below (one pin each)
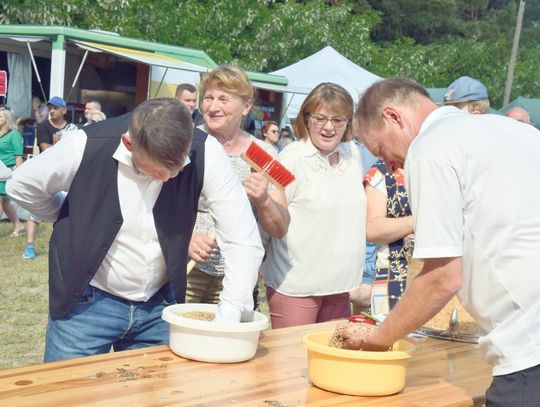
(351, 335)
(359, 336)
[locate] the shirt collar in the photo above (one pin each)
(311, 150)
(437, 114)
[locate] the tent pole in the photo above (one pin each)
(36, 70)
(77, 74)
(161, 82)
(287, 107)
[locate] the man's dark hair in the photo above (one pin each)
(185, 86)
(162, 128)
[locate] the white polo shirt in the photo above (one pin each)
(474, 192)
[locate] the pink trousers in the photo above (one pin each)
(291, 311)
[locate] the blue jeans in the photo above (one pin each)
(101, 320)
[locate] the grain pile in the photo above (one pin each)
(441, 321)
(200, 315)
(336, 340)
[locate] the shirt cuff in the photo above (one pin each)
(227, 313)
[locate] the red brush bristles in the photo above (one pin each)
(264, 163)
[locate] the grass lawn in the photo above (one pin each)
(24, 298)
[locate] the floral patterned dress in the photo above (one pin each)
(391, 265)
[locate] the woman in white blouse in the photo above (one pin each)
(309, 272)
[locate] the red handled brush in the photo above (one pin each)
(264, 163)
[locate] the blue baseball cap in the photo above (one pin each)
(57, 101)
(465, 89)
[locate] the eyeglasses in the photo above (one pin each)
(320, 121)
(274, 131)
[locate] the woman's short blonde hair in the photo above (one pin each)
(11, 122)
(331, 96)
(228, 78)
(95, 116)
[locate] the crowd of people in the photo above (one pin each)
(28, 136)
(169, 183)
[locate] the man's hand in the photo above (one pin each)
(356, 338)
(200, 247)
(56, 137)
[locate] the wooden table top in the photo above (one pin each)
(440, 373)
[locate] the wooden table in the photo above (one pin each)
(441, 373)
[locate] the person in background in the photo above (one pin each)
(388, 222)
(118, 250)
(519, 114)
(39, 110)
(92, 106)
(26, 126)
(187, 94)
(455, 165)
(310, 271)
(227, 99)
(11, 154)
(50, 131)
(286, 137)
(95, 116)
(270, 131)
(467, 94)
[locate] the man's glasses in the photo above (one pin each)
(320, 121)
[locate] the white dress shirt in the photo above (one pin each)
(134, 267)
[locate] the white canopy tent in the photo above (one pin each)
(326, 65)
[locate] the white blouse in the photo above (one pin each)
(324, 249)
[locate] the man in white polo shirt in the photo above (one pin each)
(473, 191)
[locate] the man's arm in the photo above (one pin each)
(5, 172)
(237, 233)
(37, 185)
(439, 280)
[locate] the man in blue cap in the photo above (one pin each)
(49, 131)
(467, 94)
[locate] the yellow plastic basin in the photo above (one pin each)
(356, 372)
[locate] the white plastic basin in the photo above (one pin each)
(207, 341)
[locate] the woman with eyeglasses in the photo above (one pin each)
(11, 154)
(270, 131)
(309, 273)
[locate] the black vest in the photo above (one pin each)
(90, 217)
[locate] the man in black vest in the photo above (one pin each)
(119, 247)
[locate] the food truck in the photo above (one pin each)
(81, 65)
